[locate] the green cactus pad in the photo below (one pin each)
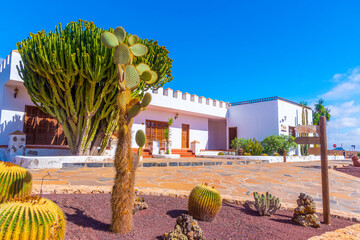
(109, 40)
(139, 49)
(146, 76)
(15, 181)
(146, 100)
(31, 218)
(140, 151)
(153, 79)
(132, 77)
(120, 34)
(142, 67)
(124, 98)
(134, 110)
(140, 138)
(133, 39)
(204, 203)
(122, 54)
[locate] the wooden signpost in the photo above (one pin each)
(322, 140)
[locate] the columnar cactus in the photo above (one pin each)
(30, 218)
(132, 77)
(204, 202)
(15, 181)
(266, 204)
(70, 75)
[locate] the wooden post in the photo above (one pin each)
(285, 155)
(324, 171)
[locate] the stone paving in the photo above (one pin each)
(285, 180)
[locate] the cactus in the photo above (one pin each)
(15, 181)
(204, 202)
(267, 204)
(31, 217)
(70, 75)
(253, 147)
(133, 77)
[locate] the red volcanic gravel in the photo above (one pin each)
(351, 170)
(88, 217)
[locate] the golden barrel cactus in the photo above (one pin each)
(15, 181)
(204, 202)
(32, 217)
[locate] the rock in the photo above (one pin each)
(139, 203)
(356, 160)
(304, 214)
(186, 228)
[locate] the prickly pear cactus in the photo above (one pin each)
(267, 204)
(15, 181)
(204, 202)
(31, 218)
(131, 77)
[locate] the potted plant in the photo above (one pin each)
(237, 143)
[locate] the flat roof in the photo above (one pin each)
(266, 100)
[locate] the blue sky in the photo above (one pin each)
(232, 50)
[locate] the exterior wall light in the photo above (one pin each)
(16, 90)
(176, 115)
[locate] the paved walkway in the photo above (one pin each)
(285, 180)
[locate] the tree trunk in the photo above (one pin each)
(122, 198)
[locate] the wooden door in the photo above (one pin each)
(232, 134)
(185, 135)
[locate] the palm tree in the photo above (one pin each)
(319, 111)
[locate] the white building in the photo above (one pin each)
(211, 122)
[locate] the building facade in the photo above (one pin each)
(210, 122)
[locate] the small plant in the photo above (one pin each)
(204, 202)
(238, 143)
(15, 181)
(264, 154)
(167, 135)
(295, 155)
(358, 154)
(31, 217)
(276, 154)
(221, 153)
(267, 204)
(247, 154)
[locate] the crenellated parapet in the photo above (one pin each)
(188, 102)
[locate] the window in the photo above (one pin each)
(292, 131)
(42, 129)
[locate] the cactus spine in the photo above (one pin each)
(266, 204)
(31, 218)
(133, 77)
(15, 181)
(204, 202)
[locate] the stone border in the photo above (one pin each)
(83, 189)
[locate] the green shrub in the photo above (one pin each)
(221, 153)
(358, 154)
(276, 154)
(253, 147)
(247, 154)
(238, 143)
(264, 154)
(277, 144)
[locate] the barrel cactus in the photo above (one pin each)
(31, 217)
(204, 202)
(15, 181)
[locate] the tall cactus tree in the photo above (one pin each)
(70, 75)
(133, 77)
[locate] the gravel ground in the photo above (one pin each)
(88, 217)
(351, 170)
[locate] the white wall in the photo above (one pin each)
(217, 134)
(256, 120)
(198, 126)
